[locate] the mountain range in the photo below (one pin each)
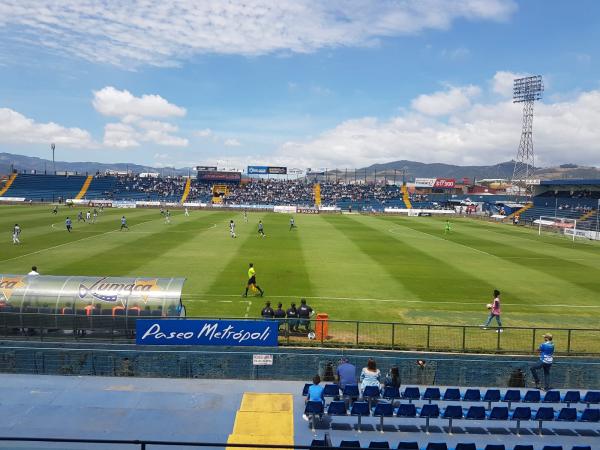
(412, 169)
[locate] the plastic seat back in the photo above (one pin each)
(472, 395)
(391, 392)
(582, 447)
(567, 414)
(512, 395)
(313, 408)
(360, 409)
(491, 395)
(437, 446)
(495, 447)
(552, 447)
(411, 393)
(305, 389)
(431, 411)
(407, 410)
(552, 397)
(331, 390)
(351, 390)
(592, 397)
(572, 397)
(383, 410)
(337, 408)
(432, 394)
(452, 394)
(318, 443)
(523, 447)
(469, 446)
(590, 415)
(371, 392)
(545, 413)
(475, 413)
(350, 444)
(408, 446)
(379, 444)
(532, 397)
(499, 413)
(453, 412)
(521, 413)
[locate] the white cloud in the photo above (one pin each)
(207, 132)
(19, 129)
(125, 135)
(110, 101)
(442, 103)
(482, 133)
(231, 143)
(502, 83)
(120, 135)
(138, 32)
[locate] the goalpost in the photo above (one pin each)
(558, 225)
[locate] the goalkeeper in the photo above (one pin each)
(447, 228)
(252, 282)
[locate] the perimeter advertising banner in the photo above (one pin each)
(211, 176)
(234, 333)
(266, 170)
(436, 183)
(425, 182)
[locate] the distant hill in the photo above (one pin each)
(29, 163)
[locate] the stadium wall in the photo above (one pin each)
(288, 364)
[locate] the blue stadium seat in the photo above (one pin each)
(337, 408)
(452, 395)
(407, 410)
(512, 396)
(591, 398)
(391, 393)
(351, 391)
(552, 447)
(452, 412)
(431, 394)
(411, 393)
(428, 412)
(370, 393)
(532, 397)
(383, 409)
(544, 414)
(437, 446)
(567, 415)
(461, 446)
(523, 447)
(571, 397)
(472, 395)
(590, 415)
(360, 410)
(350, 444)
(305, 389)
(331, 390)
(582, 447)
(408, 446)
(521, 413)
(475, 413)
(552, 397)
(491, 395)
(379, 444)
(495, 447)
(313, 409)
(318, 443)
(498, 413)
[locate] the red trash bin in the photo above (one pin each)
(322, 326)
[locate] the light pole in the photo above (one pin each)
(597, 217)
(53, 147)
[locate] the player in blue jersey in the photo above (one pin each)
(69, 224)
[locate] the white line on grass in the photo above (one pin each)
(398, 300)
(248, 308)
(392, 230)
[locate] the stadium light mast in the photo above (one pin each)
(53, 147)
(526, 90)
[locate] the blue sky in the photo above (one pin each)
(299, 83)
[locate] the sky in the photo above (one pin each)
(300, 83)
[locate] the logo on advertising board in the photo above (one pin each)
(205, 168)
(237, 333)
(266, 170)
(308, 210)
(444, 183)
(107, 291)
(425, 182)
(8, 284)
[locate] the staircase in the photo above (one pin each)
(317, 192)
(520, 211)
(84, 188)
(186, 190)
(406, 197)
(587, 215)
(8, 183)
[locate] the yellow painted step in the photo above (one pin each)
(587, 215)
(84, 188)
(186, 190)
(8, 184)
(520, 211)
(406, 197)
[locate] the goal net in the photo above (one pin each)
(557, 225)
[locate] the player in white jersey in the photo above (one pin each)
(88, 217)
(16, 234)
(186, 213)
(232, 229)
(245, 216)
(95, 215)
(167, 216)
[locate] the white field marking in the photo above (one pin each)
(391, 230)
(225, 301)
(248, 308)
(78, 240)
(398, 300)
(214, 225)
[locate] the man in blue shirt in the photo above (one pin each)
(546, 351)
(345, 373)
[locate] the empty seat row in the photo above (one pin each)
(382, 410)
(490, 396)
(441, 446)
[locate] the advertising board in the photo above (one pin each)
(211, 176)
(266, 170)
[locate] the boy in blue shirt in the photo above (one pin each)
(546, 351)
(316, 391)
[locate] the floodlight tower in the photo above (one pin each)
(526, 90)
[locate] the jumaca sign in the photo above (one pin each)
(236, 333)
(444, 183)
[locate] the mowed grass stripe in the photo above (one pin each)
(558, 270)
(280, 267)
(338, 267)
(133, 249)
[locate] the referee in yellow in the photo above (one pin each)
(252, 281)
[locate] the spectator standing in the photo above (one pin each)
(370, 375)
(546, 351)
(392, 378)
(33, 271)
(292, 316)
(345, 373)
(494, 308)
(304, 313)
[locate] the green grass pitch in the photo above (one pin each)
(380, 268)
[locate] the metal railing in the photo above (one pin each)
(327, 333)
